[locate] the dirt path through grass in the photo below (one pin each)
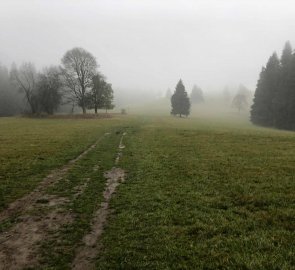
(85, 257)
(40, 212)
(21, 204)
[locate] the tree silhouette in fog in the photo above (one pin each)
(79, 67)
(179, 101)
(274, 99)
(197, 95)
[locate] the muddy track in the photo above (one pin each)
(19, 245)
(85, 256)
(23, 203)
(41, 213)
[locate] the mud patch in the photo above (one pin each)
(50, 201)
(85, 256)
(18, 246)
(41, 213)
(121, 147)
(56, 175)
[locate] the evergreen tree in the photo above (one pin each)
(281, 98)
(288, 94)
(197, 95)
(262, 111)
(179, 101)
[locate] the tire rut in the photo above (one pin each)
(54, 176)
(41, 213)
(85, 256)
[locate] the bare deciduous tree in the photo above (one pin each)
(26, 79)
(79, 67)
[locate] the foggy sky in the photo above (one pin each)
(147, 44)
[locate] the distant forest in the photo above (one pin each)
(274, 99)
(75, 83)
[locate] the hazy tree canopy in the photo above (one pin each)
(286, 56)
(76, 82)
(179, 101)
(243, 90)
(101, 95)
(79, 67)
(10, 98)
(242, 98)
(197, 95)
(94, 97)
(240, 102)
(168, 94)
(26, 80)
(49, 90)
(107, 97)
(274, 100)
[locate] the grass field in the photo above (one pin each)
(29, 148)
(199, 193)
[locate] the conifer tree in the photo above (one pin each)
(179, 101)
(262, 112)
(281, 98)
(289, 97)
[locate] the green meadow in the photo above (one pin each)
(200, 192)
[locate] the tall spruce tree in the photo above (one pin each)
(179, 101)
(289, 96)
(281, 98)
(262, 111)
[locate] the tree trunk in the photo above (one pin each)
(84, 109)
(95, 109)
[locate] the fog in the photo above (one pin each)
(146, 46)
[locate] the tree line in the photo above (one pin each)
(181, 101)
(196, 95)
(274, 99)
(76, 81)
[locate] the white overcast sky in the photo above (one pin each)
(147, 44)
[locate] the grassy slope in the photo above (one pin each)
(203, 195)
(30, 148)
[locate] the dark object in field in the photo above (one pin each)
(180, 102)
